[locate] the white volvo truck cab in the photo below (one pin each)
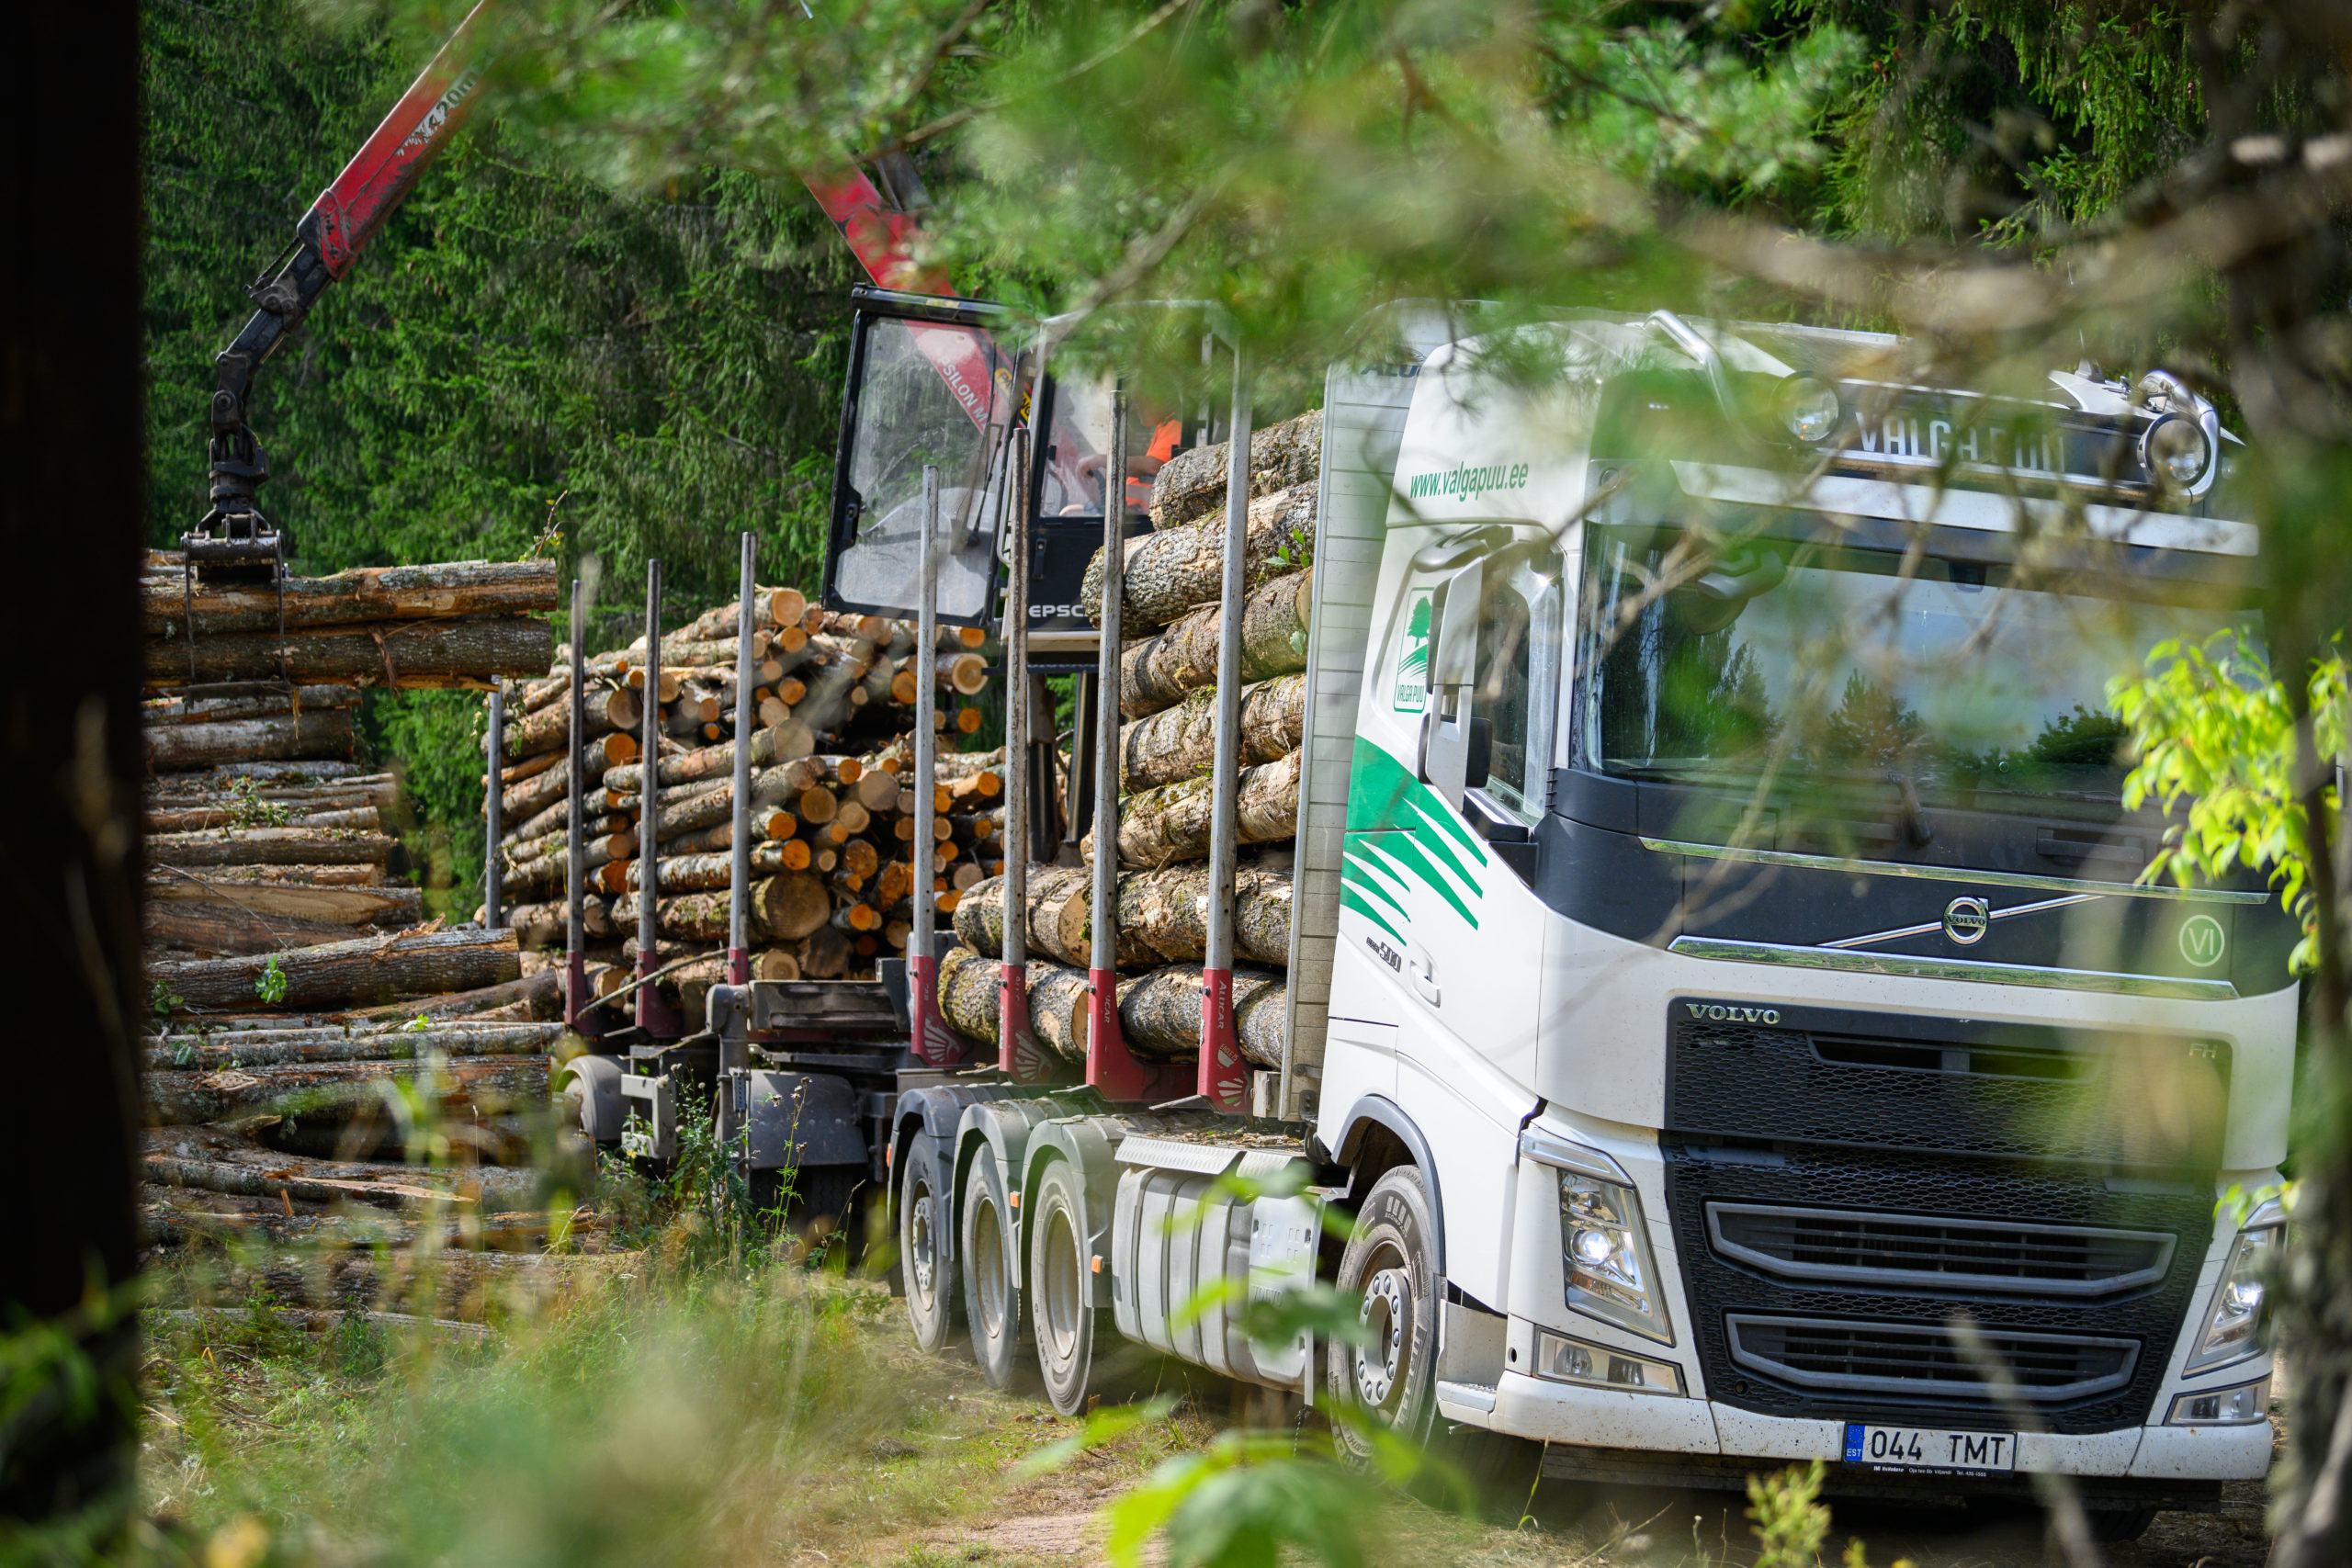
(1738, 962)
(1719, 992)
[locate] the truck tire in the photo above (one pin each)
(1390, 1270)
(932, 1304)
(990, 1266)
(2121, 1523)
(818, 1206)
(589, 1088)
(1061, 1288)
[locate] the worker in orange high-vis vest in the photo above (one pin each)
(1166, 436)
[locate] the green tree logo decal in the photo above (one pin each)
(1413, 661)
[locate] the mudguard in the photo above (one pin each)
(802, 1120)
(1090, 1144)
(1000, 1129)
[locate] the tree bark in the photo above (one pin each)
(338, 906)
(408, 654)
(198, 819)
(231, 878)
(1171, 572)
(549, 728)
(223, 710)
(321, 732)
(279, 1047)
(220, 930)
(785, 742)
(269, 846)
(1160, 670)
(970, 998)
(1163, 914)
(547, 870)
(1180, 742)
(347, 974)
(274, 781)
(1171, 823)
(786, 907)
(1159, 1014)
(823, 954)
(209, 1161)
(967, 674)
(1192, 483)
(542, 993)
(692, 874)
(1167, 911)
(437, 593)
(334, 1090)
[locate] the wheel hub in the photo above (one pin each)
(922, 1252)
(987, 1270)
(1386, 1315)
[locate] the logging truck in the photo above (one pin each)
(1720, 1021)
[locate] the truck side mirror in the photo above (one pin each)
(1447, 740)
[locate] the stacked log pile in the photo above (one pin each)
(833, 866)
(297, 1003)
(1170, 616)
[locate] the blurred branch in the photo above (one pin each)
(935, 129)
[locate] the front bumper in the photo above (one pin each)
(1661, 1426)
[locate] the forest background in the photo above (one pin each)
(521, 349)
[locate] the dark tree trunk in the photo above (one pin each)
(75, 511)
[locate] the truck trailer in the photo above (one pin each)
(1725, 1024)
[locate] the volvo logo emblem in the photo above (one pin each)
(1717, 1012)
(2202, 940)
(1966, 920)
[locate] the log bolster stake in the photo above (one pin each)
(1017, 1042)
(934, 1043)
(655, 1016)
(1113, 1070)
(1220, 1077)
(1018, 1053)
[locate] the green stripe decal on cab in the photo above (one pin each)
(1358, 872)
(1402, 849)
(1383, 794)
(1348, 899)
(1399, 828)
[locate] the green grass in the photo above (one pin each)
(652, 1416)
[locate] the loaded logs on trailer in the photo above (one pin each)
(1171, 616)
(832, 864)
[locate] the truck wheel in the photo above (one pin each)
(923, 1217)
(591, 1090)
(990, 1266)
(2123, 1523)
(1390, 1270)
(1061, 1292)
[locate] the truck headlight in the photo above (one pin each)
(2237, 1324)
(1809, 409)
(1607, 1255)
(1563, 1359)
(2175, 451)
(2239, 1406)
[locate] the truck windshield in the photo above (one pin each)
(1959, 678)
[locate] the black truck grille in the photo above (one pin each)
(2002, 1091)
(1925, 1252)
(1930, 1363)
(1843, 1185)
